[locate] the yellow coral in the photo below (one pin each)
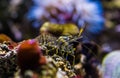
(59, 29)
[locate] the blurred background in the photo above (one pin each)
(22, 19)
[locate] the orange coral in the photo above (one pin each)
(29, 54)
(4, 37)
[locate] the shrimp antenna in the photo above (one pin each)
(82, 29)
